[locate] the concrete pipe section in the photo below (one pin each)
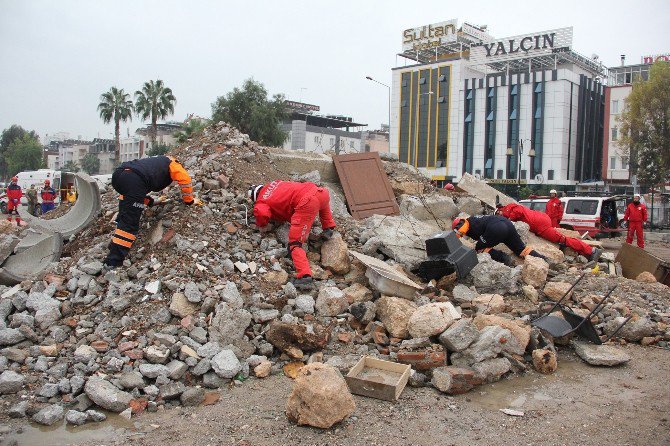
(31, 262)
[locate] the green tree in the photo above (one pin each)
(70, 166)
(115, 105)
(90, 164)
(193, 127)
(7, 137)
(645, 126)
(154, 100)
(250, 110)
(158, 149)
(25, 153)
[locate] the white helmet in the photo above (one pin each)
(553, 191)
(253, 191)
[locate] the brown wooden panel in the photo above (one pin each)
(365, 184)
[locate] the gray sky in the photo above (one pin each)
(59, 56)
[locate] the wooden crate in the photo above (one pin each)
(378, 379)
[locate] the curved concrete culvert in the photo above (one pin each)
(32, 261)
(84, 211)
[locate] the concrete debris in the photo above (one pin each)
(395, 313)
(432, 319)
(455, 380)
(602, 355)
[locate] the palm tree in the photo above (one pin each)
(116, 105)
(155, 100)
(192, 127)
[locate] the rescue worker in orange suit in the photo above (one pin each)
(48, 195)
(134, 180)
(298, 203)
(489, 231)
(635, 215)
(540, 225)
(554, 209)
(14, 195)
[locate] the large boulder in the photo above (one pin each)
(330, 302)
(335, 255)
(634, 330)
(394, 313)
(431, 319)
(106, 395)
(320, 397)
(517, 328)
(490, 276)
(492, 340)
(459, 336)
(436, 209)
(534, 271)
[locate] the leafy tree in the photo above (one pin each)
(8, 136)
(645, 126)
(158, 149)
(90, 164)
(155, 100)
(25, 153)
(250, 110)
(70, 166)
(115, 105)
(190, 129)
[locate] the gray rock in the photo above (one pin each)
(172, 390)
(192, 396)
(19, 409)
(226, 364)
(106, 395)
(49, 415)
(604, 355)
(157, 354)
(229, 324)
(213, 381)
(490, 276)
(77, 384)
(491, 341)
(82, 402)
(230, 295)
(96, 416)
(153, 370)
(131, 380)
(304, 303)
(463, 294)
(365, 312)
(45, 317)
(634, 330)
(40, 301)
(192, 292)
(492, 369)
(330, 302)
(265, 315)
(48, 390)
(10, 336)
(401, 237)
(75, 417)
(202, 367)
(93, 268)
(176, 369)
(85, 353)
(459, 336)
(209, 350)
(198, 334)
(434, 209)
(11, 382)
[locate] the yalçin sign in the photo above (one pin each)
(429, 36)
(509, 48)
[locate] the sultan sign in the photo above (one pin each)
(517, 47)
(429, 36)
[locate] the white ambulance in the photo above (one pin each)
(60, 181)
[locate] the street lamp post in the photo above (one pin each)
(531, 154)
(389, 98)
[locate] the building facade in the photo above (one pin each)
(524, 109)
(139, 145)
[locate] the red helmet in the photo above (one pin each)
(15, 179)
(47, 182)
(449, 186)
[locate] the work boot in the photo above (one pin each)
(595, 255)
(305, 283)
(537, 254)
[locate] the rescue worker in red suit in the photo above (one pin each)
(14, 195)
(489, 231)
(298, 203)
(134, 180)
(540, 225)
(635, 215)
(449, 186)
(554, 209)
(48, 195)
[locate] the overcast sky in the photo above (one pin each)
(59, 56)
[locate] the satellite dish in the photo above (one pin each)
(478, 176)
(539, 178)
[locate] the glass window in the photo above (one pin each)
(624, 162)
(615, 107)
(615, 133)
(582, 207)
(612, 162)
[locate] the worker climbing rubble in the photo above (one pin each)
(541, 225)
(554, 209)
(48, 195)
(14, 195)
(134, 180)
(489, 231)
(299, 204)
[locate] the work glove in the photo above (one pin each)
(148, 201)
(327, 234)
(189, 203)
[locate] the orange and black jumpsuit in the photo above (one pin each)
(134, 180)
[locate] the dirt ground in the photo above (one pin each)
(579, 404)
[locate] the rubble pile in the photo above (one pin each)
(204, 301)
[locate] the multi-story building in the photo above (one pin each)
(376, 141)
(139, 144)
(70, 151)
(104, 150)
(526, 108)
(310, 132)
(50, 159)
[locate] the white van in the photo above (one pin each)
(60, 181)
(595, 215)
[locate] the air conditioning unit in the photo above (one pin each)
(539, 178)
(478, 176)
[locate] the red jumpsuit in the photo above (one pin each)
(540, 224)
(554, 210)
(14, 195)
(298, 203)
(635, 214)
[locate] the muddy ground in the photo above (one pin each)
(578, 405)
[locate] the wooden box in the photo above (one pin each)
(375, 378)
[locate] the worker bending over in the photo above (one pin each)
(48, 197)
(554, 209)
(134, 180)
(14, 195)
(540, 224)
(298, 203)
(489, 231)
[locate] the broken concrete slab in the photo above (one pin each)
(386, 279)
(32, 261)
(300, 163)
(605, 355)
(85, 209)
(435, 209)
(7, 244)
(481, 190)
